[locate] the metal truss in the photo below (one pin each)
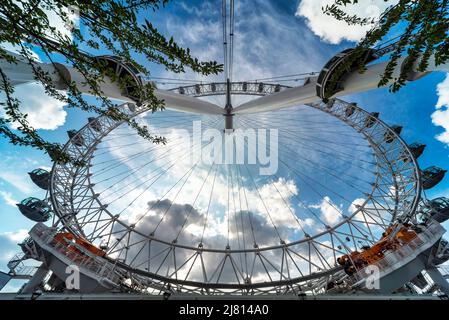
(394, 197)
(237, 88)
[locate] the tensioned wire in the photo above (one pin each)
(136, 170)
(142, 153)
(139, 153)
(138, 177)
(320, 195)
(288, 124)
(294, 139)
(172, 125)
(186, 174)
(302, 138)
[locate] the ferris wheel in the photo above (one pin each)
(221, 227)
(344, 178)
(140, 217)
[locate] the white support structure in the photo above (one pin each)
(289, 97)
(21, 73)
(183, 103)
(354, 82)
(438, 279)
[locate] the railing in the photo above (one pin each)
(434, 230)
(96, 265)
(16, 260)
(220, 88)
(25, 271)
(444, 269)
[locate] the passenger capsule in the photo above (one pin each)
(417, 149)
(35, 209)
(76, 138)
(132, 107)
(350, 110)
(438, 209)
(371, 119)
(330, 104)
(41, 178)
(390, 136)
(432, 176)
(94, 124)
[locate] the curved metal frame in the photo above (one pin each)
(394, 160)
(237, 88)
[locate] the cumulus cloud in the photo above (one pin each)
(8, 198)
(44, 112)
(18, 180)
(330, 212)
(266, 43)
(16, 236)
(8, 243)
(170, 218)
(371, 217)
(333, 31)
(62, 25)
(441, 116)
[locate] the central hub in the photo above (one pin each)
(229, 116)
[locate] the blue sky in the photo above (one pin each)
(272, 38)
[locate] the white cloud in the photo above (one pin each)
(8, 245)
(19, 181)
(60, 25)
(330, 212)
(6, 256)
(266, 43)
(16, 236)
(441, 116)
(333, 31)
(44, 112)
(8, 198)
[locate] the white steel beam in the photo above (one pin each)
(179, 102)
(21, 73)
(353, 83)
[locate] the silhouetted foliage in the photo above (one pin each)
(424, 29)
(109, 27)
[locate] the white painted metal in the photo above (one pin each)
(178, 102)
(353, 83)
(22, 73)
(287, 98)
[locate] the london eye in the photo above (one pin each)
(346, 192)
